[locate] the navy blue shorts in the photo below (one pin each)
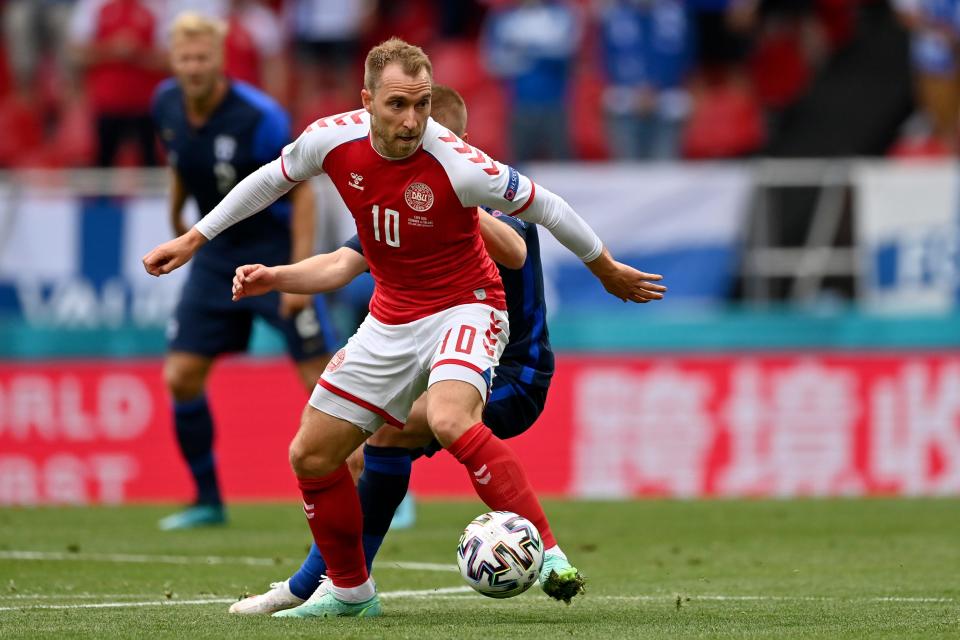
(206, 322)
(512, 408)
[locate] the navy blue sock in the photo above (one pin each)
(383, 484)
(304, 582)
(194, 426)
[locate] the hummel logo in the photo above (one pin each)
(482, 479)
(308, 511)
(355, 181)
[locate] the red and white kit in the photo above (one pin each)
(438, 311)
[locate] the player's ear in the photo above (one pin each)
(367, 98)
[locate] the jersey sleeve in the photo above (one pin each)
(353, 243)
(303, 158)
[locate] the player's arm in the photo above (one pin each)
(504, 245)
(178, 198)
(317, 274)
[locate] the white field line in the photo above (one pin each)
(138, 558)
(461, 593)
(77, 596)
(445, 593)
(422, 593)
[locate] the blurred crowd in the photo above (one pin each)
(934, 26)
(543, 79)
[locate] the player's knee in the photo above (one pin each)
(183, 384)
(447, 427)
(308, 462)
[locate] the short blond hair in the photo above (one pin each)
(448, 108)
(190, 24)
(411, 58)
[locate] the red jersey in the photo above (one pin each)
(416, 217)
(118, 87)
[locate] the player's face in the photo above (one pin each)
(399, 108)
(197, 63)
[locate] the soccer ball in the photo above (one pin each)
(500, 554)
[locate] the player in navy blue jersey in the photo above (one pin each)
(517, 396)
(216, 132)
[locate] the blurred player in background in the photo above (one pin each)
(217, 131)
(517, 396)
(438, 315)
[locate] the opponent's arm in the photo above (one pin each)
(302, 224)
(318, 274)
(504, 245)
(178, 198)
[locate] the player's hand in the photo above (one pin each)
(173, 254)
(293, 303)
(252, 280)
(625, 282)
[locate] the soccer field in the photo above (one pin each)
(656, 569)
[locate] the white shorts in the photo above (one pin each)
(385, 367)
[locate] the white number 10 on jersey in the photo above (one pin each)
(391, 226)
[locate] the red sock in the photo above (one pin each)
(499, 478)
(333, 512)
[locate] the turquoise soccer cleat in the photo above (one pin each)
(200, 515)
(323, 604)
(559, 579)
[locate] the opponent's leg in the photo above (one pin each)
(185, 375)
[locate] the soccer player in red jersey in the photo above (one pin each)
(437, 318)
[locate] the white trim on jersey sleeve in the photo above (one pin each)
(252, 194)
(481, 181)
(303, 158)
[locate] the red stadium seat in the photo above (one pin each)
(458, 63)
(587, 128)
(73, 142)
(727, 122)
(487, 119)
(779, 69)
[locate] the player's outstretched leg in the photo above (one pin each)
(501, 482)
(558, 578)
(278, 598)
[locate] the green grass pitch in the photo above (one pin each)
(656, 569)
